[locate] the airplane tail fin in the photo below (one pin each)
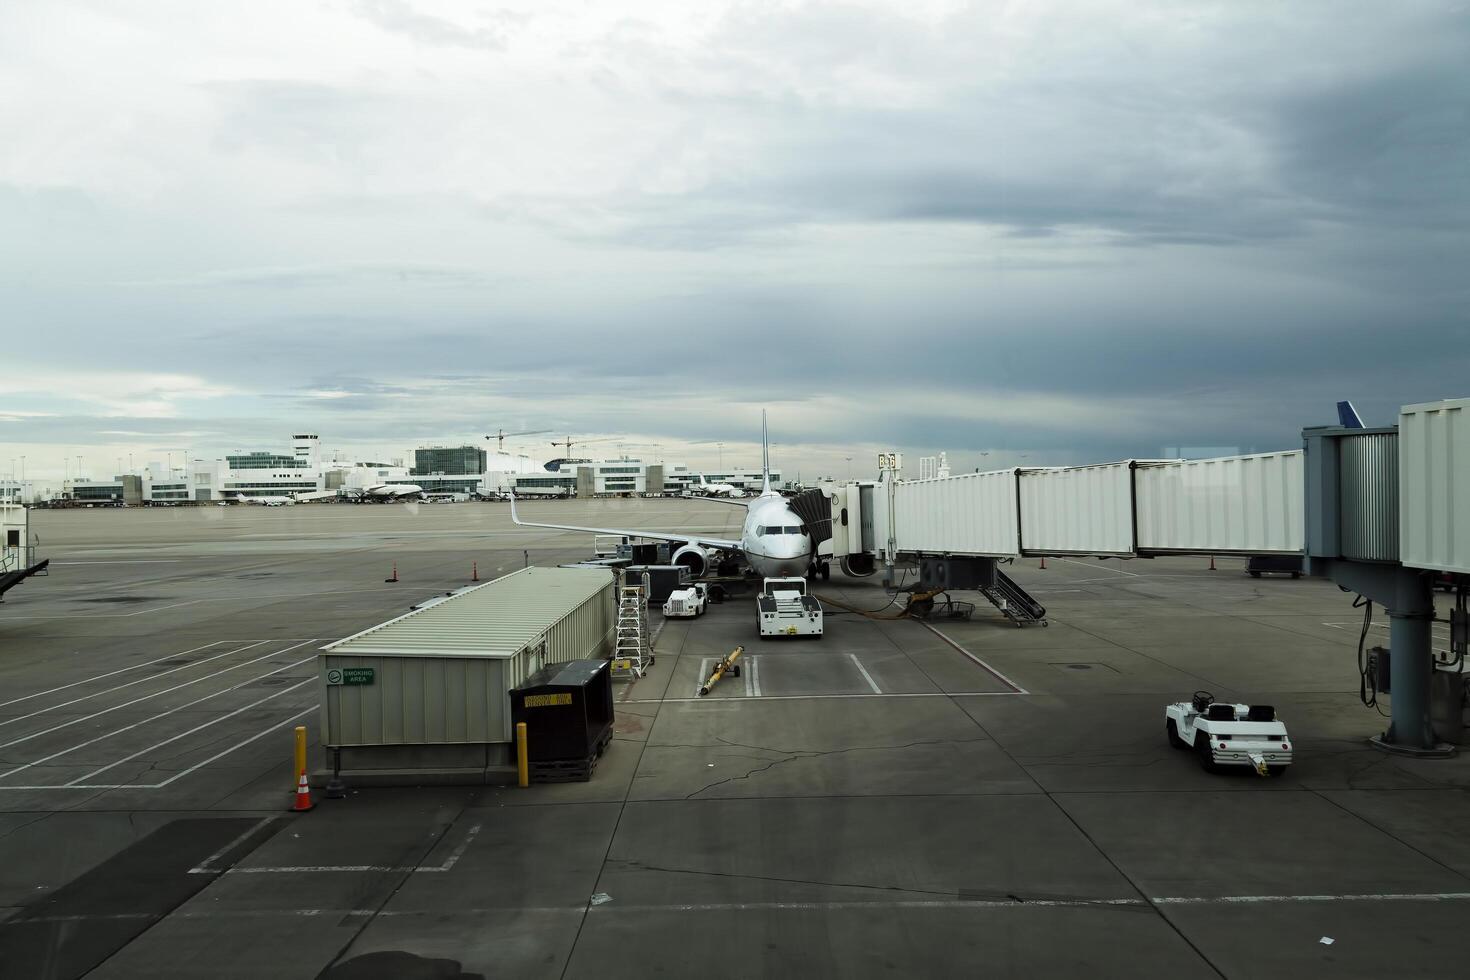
(765, 456)
(1347, 416)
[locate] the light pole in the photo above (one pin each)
(721, 446)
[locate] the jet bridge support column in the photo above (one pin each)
(1352, 521)
(1410, 668)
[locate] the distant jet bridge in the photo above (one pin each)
(1234, 505)
(1374, 509)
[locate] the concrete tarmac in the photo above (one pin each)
(959, 798)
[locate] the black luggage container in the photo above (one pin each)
(568, 711)
(1285, 564)
(662, 579)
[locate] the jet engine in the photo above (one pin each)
(859, 565)
(694, 558)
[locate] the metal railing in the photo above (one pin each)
(13, 559)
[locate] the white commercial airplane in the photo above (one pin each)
(773, 539)
(381, 492)
(286, 501)
(708, 489)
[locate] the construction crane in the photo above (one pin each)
(569, 442)
(501, 435)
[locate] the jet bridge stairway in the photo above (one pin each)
(1018, 605)
(10, 578)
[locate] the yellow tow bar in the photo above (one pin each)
(1259, 761)
(726, 665)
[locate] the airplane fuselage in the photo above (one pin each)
(775, 542)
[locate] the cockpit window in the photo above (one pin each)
(766, 531)
(791, 530)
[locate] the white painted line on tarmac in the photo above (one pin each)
(137, 724)
(448, 865)
(747, 674)
(328, 868)
(1286, 899)
(464, 845)
(238, 745)
(917, 903)
(864, 671)
(97, 714)
(1090, 564)
(242, 597)
(1004, 679)
(121, 687)
(203, 866)
(196, 728)
(125, 561)
(121, 670)
(613, 908)
(1357, 627)
(703, 675)
(823, 697)
(178, 775)
(755, 677)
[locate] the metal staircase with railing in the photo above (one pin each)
(1018, 605)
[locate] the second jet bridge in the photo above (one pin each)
(1246, 505)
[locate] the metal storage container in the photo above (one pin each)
(1078, 510)
(966, 514)
(426, 693)
(1232, 504)
(1434, 485)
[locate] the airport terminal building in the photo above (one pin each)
(465, 469)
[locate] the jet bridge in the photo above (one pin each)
(1245, 505)
(18, 560)
(1336, 504)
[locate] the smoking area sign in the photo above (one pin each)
(337, 676)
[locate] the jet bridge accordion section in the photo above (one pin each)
(1244, 504)
(1232, 505)
(967, 514)
(1083, 510)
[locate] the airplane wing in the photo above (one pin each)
(723, 544)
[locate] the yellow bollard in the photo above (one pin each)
(300, 750)
(523, 756)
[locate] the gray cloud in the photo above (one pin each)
(400, 17)
(1088, 236)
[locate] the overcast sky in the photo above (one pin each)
(1064, 231)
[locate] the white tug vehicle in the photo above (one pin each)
(1223, 734)
(687, 603)
(785, 609)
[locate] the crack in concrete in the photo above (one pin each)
(793, 755)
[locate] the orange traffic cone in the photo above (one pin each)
(303, 795)
(1212, 563)
(1043, 561)
(394, 576)
(475, 571)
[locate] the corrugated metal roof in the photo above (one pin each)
(493, 620)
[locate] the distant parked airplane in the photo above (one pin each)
(774, 539)
(286, 501)
(708, 489)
